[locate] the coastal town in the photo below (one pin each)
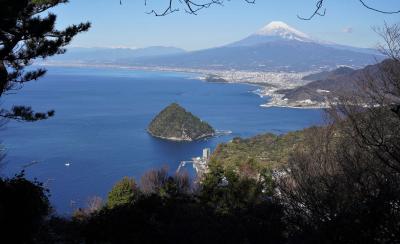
(268, 83)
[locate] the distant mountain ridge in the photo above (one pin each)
(340, 81)
(114, 55)
(279, 31)
(329, 74)
(275, 47)
(283, 55)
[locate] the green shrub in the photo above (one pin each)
(123, 192)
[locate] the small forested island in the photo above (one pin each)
(176, 124)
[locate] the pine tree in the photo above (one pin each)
(124, 192)
(27, 33)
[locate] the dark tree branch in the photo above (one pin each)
(191, 6)
(23, 113)
(378, 10)
(321, 11)
(317, 11)
(27, 34)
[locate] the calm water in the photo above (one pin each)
(100, 122)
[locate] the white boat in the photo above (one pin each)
(67, 164)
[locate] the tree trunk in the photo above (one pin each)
(3, 78)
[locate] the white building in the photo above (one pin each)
(206, 153)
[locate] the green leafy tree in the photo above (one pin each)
(27, 33)
(124, 192)
(228, 212)
(225, 190)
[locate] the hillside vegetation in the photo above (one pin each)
(264, 151)
(175, 123)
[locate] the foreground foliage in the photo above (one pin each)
(24, 206)
(28, 33)
(124, 192)
(172, 216)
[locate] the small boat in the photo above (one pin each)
(67, 164)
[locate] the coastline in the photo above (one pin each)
(293, 106)
(267, 82)
(176, 139)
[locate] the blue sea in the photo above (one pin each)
(100, 126)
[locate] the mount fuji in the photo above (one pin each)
(280, 31)
(275, 47)
(274, 31)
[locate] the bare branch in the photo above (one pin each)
(378, 10)
(191, 6)
(321, 11)
(317, 11)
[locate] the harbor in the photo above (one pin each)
(200, 164)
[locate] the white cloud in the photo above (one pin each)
(348, 29)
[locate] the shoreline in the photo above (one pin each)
(243, 77)
(176, 139)
(292, 106)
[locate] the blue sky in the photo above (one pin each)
(346, 22)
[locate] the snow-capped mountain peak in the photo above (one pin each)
(283, 30)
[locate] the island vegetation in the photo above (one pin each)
(176, 124)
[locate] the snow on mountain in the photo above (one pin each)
(283, 30)
(279, 32)
(272, 32)
(275, 47)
